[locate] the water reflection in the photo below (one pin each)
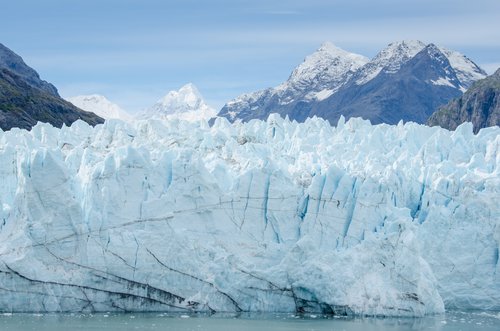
(452, 321)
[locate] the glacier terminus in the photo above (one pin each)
(274, 216)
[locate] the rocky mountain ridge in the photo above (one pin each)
(480, 104)
(25, 99)
(406, 81)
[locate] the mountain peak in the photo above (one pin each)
(189, 88)
(328, 64)
(407, 47)
(389, 60)
(434, 52)
(466, 70)
(25, 99)
(100, 105)
(15, 63)
(433, 49)
(176, 101)
(186, 103)
(407, 44)
(406, 80)
(327, 45)
(331, 48)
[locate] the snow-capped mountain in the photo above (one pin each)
(319, 76)
(187, 103)
(330, 66)
(419, 86)
(389, 60)
(395, 85)
(465, 69)
(273, 216)
(100, 106)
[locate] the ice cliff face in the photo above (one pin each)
(261, 216)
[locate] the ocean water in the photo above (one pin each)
(451, 321)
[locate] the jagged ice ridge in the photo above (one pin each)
(263, 216)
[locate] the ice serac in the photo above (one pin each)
(101, 106)
(319, 76)
(262, 216)
(185, 104)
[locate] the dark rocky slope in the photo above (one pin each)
(25, 99)
(480, 105)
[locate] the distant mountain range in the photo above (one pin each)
(480, 105)
(187, 103)
(406, 81)
(25, 99)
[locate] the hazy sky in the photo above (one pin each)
(134, 51)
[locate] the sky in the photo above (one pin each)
(135, 51)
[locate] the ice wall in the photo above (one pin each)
(262, 216)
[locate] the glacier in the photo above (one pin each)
(274, 216)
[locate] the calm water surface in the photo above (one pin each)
(451, 321)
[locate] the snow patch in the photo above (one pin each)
(442, 81)
(467, 71)
(323, 94)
